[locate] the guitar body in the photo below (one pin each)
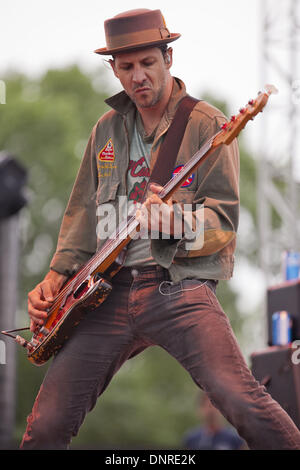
(49, 339)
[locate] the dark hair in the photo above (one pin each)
(162, 47)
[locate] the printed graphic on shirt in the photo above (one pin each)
(107, 154)
(138, 174)
(139, 168)
(188, 181)
(137, 191)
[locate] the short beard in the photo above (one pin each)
(156, 99)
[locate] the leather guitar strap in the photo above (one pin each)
(166, 159)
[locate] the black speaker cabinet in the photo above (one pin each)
(285, 296)
(277, 368)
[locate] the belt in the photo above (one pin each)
(129, 273)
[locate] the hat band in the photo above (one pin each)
(138, 37)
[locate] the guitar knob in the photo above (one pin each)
(233, 118)
(251, 102)
(242, 110)
(224, 126)
(44, 331)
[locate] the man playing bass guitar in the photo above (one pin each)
(165, 292)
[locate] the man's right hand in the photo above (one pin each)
(41, 298)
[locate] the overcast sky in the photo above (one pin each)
(218, 50)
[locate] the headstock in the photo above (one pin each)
(231, 129)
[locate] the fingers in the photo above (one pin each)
(156, 215)
(33, 325)
(155, 188)
(154, 198)
(39, 301)
(38, 316)
(142, 217)
(35, 298)
(46, 290)
(152, 215)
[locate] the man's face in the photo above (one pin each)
(143, 75)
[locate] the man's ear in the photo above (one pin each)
(169, 57)
(113, 66)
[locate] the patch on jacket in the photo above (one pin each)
(107, 154)
(188, 181)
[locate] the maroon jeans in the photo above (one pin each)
(185, 319)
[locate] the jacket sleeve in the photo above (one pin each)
(215, 208)
(77, 237)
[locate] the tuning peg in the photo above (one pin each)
(251, 102)
(233, 118)
(224, 126)
(242, 110)
(271, 89)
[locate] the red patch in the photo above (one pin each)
(107, 154)
(188, 181)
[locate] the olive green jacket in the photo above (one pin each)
(102, 177)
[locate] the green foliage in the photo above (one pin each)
(46, 124)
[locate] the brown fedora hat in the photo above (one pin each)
(135, 29)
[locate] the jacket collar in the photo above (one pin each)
(123, 104)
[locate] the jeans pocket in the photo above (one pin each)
(179, 288)
(171, 289)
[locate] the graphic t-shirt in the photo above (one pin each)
(138, 250)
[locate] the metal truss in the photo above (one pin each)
(279, 141)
